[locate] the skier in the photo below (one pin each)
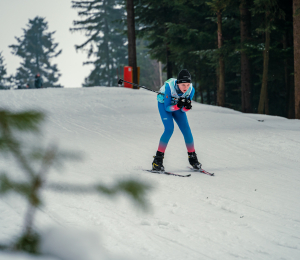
(174, 101)
(38, 82)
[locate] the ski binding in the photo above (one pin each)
(202, 171)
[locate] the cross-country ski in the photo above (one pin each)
(202, 171)
(169, 173)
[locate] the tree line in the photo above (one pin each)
(105, 47)
(36, 48)
(242, 54)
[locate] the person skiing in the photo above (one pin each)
(38, 82)
(174, 100)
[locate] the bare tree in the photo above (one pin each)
(131, 40)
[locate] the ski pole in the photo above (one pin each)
(120, 82)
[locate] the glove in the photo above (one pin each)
(188, 103)
(181, 102)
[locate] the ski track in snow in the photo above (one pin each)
(249, 210)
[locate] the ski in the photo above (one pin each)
(202, 171)
(168, 173)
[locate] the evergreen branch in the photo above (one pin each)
(24, 189)
(26, 121)
(86, 42)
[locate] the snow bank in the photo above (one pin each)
(249, 210)
(70, 244)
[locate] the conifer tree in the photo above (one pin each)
(184, 32)
(270, 10)
(296, 9)
(149, 69)
(153, 18)
(105, 39)
(131, 40)
(218, 6)
(246, 80)
(3, 79)
(37, 48)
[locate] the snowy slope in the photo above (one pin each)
(249, 210)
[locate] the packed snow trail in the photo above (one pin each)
(249, 210)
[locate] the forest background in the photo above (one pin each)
(240, 53)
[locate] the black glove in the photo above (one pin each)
(188, 103)
(181, 102)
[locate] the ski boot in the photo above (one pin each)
(194, 161)
(157, 164)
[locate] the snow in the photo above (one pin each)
(249, 210)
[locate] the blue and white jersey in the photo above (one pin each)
(170, 94)
(172, 84)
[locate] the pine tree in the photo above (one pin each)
(246, 79)
(37, 49)
(149, 69)
(270, 10)
(296, 8)
(184, 34)
(3, 79)
(153, 18)
(285, 31)
(218, 6)
(105, 39)
(131, 39)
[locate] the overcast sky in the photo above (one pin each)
(15, 14)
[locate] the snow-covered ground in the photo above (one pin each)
(249, 210)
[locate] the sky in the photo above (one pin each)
(15, 15)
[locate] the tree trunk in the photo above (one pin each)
(267, 112)
(169, 64)
(221, 89)
(201, 91)
(131, 40)
(208, 99)
(245, 63)
(195, 87)
(160, 74)
(217, 80)
(296, 23)
(263, 106)
(37, 64)
(37, 58)
(106, 44)
(291, 108)
(286, 76)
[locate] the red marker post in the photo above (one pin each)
(128, 76)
